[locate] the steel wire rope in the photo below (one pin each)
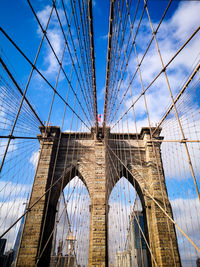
(165, 67)
(65, 156)
(139, 23)
(40, 74)
(10, 98)
(154, 149)
(157, 203)
(172, 98)
(123, 144)
(131, 174)
(59, 63)
(71, 57)
(26, 88)
(78, 34)
(149, 45)
(112, 100)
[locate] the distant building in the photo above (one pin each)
(198, 262)
(67, 260)
(137, 245)
(123, 259)
(6, 259)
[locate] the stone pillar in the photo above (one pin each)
(34, 221)
(98, 210)
(162, 235)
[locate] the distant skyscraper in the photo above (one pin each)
(18, 238)
(137, 243)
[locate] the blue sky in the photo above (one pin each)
(19, 23)
(17, 20)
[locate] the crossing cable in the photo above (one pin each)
(149, 46)
(9, 101)
(84, 94)
(20, 90)
(143, 57)
(164, 68)
(121, 67)
(177, 98)
(154, 151)
(174, 105)
(115, 91)
(154, 200)
(54, 91)
(54, 169)
(86, 47)
(26, 88)
(60, 64)
(37, 70)
(117, 170)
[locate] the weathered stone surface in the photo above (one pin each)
(83, 155)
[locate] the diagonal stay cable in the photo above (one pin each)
(43, 77)
(20, 90)
(162, 70)
(178, 96)
(156, 202)
(85, 91)
(30, 208)
(85, 46)
(26, 88)
(60, 64)
(116, 91)
(140, 63)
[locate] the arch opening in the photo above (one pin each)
(127, 226)
(70, 245)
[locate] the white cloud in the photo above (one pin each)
(34, 158)
(171, 35)
(186, 19)
(10, 212)
(186, 215)
(43, 15)
(11, 149)
(104, 37)
(55, 37)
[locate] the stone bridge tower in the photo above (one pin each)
(85, 155)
